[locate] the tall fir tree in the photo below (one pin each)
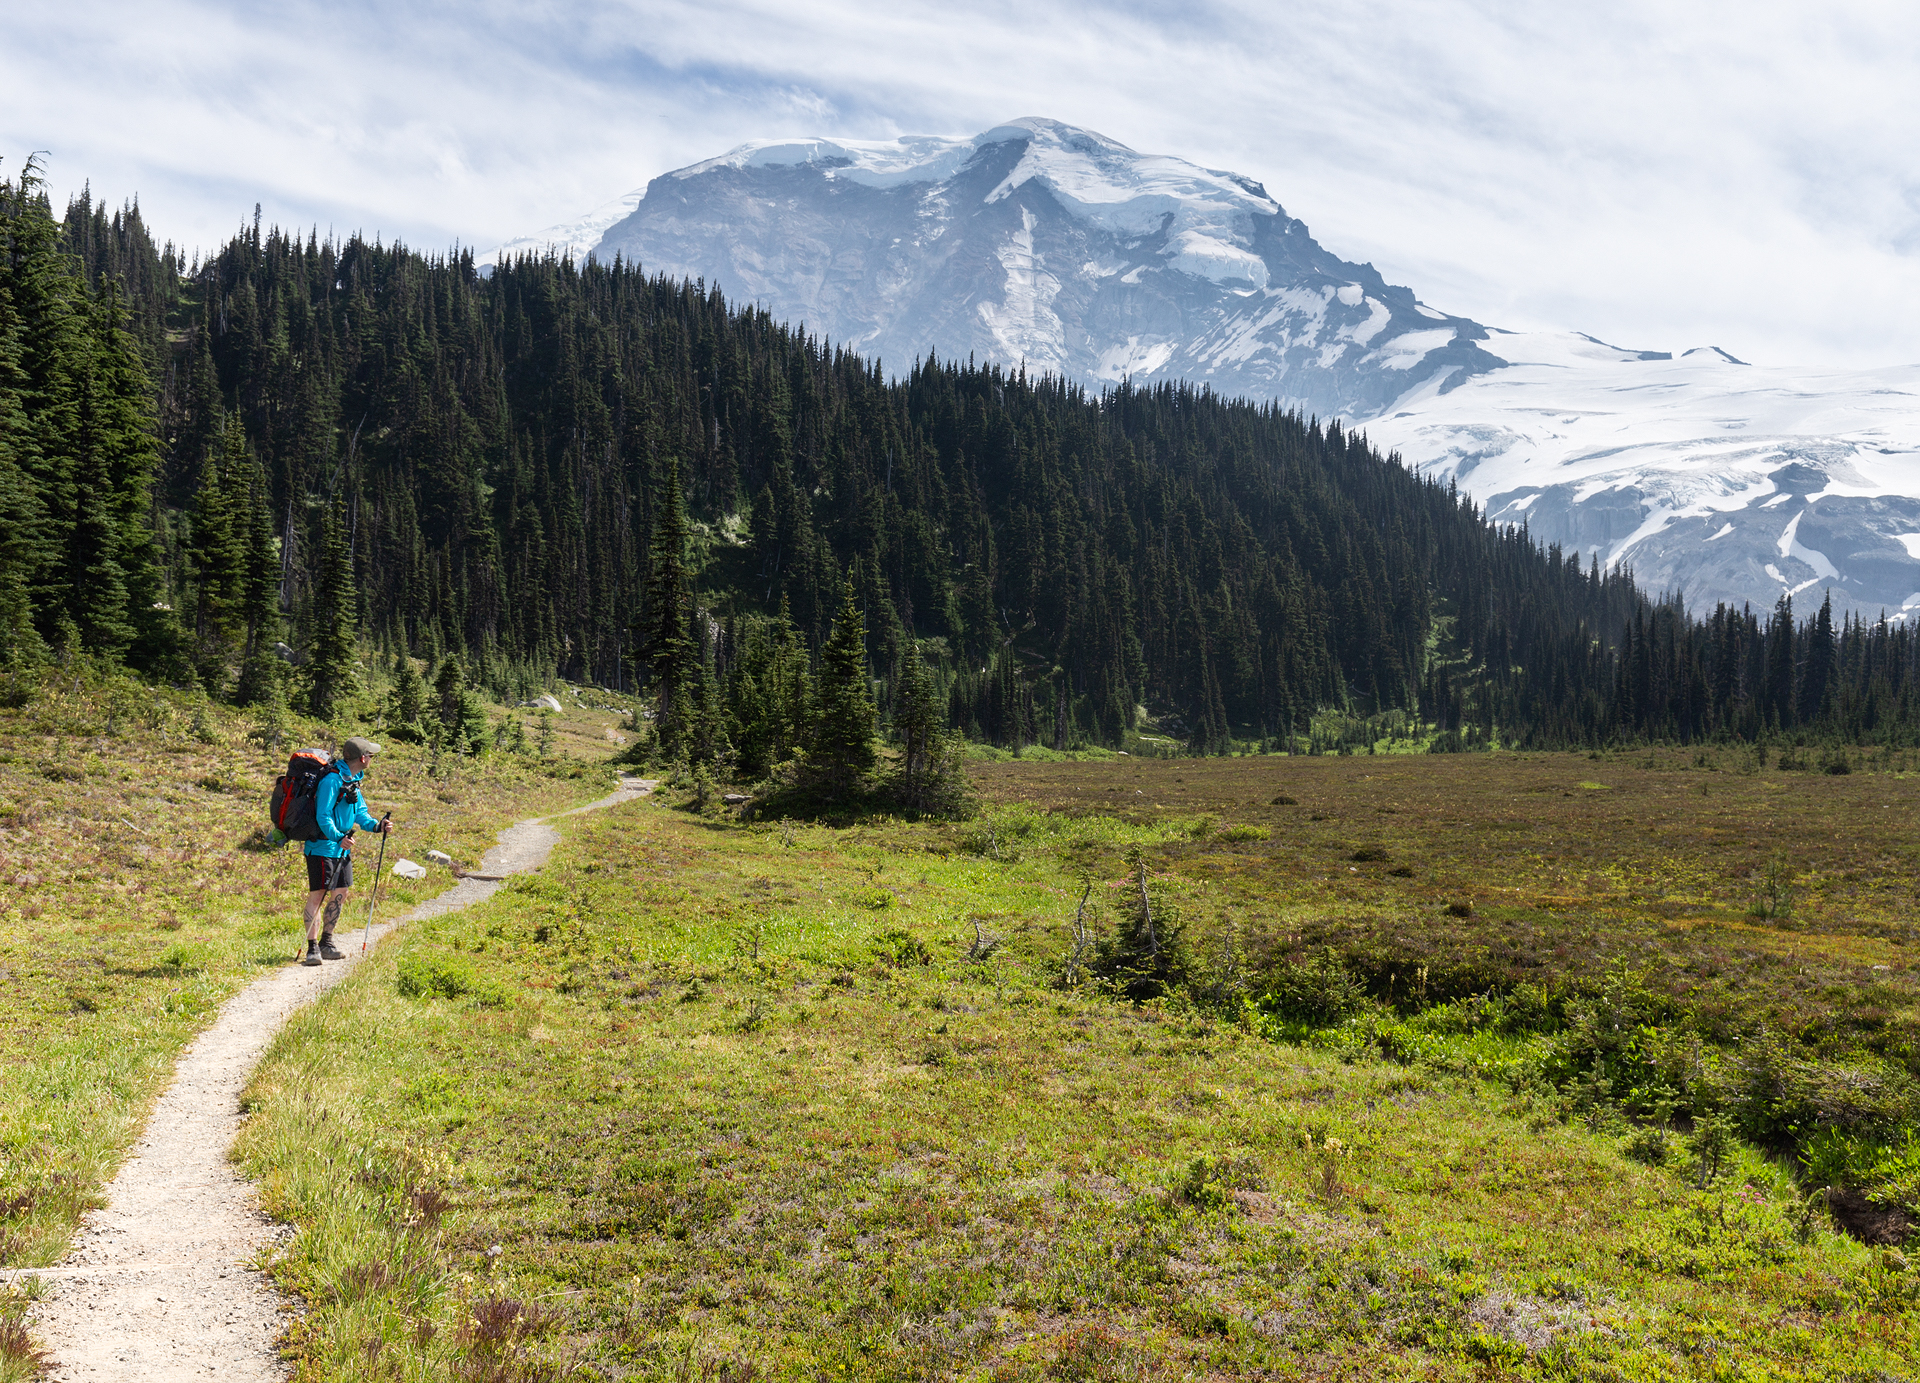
(406, 702)
(121, 425)
(217, 555)
(261, 669)
(840, 749)
(769, 692)
(330, 678)
(919, 721)
(667, 635)
(22, 540)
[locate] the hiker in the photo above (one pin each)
(338, 811)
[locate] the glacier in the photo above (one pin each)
(1802, 481)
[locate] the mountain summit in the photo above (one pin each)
(1044, 243)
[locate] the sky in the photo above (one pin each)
(1658, 174)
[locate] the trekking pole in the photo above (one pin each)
(376, 882)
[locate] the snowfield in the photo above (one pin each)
(1804, 482)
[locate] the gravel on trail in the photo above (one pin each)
(159, 1286)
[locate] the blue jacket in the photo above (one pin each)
(336, 817)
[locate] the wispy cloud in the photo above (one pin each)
(1655, 174)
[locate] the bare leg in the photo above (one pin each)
(332, 911)
(335, 906)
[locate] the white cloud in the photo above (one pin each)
(1659, 175)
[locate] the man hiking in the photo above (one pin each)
(338, 810)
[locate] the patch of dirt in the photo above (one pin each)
(1868, 1221)
(157, 1286)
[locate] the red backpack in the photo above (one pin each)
(292, 806)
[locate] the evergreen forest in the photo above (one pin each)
(297, 454)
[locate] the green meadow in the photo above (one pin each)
(1449, 1080)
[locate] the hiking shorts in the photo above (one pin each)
(327, 872)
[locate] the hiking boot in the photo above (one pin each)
(328, 951)
(312, 956)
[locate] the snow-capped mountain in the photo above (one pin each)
(1055, 246)
(1041, 243)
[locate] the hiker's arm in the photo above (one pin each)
(368, 821)
(325, 798)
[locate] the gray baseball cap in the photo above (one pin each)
(357, 748)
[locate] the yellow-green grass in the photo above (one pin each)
(723, 1102)
(137, 901)
(1659, 875)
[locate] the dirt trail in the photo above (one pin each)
(157, 1286)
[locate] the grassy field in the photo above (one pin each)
(1453, 1087)
(1494, 871)
(138, 901)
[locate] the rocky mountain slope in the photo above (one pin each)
(1055, 246)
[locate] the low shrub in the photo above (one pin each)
(1318, 990)
(1209, 1182)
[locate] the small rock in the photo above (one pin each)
(735, 799)
(410, 869)
(440, 857)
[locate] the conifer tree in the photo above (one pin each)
(20, 641)
(768, 692)
(706, 739)
(120, 425)
(406, 702)
(449, 685)
(840, 748)
(666, 633)
(1147, 954)
(39, 304)
(96, 582)
(330, 679)
(459, 715)
(21, 516)
(217, 556)
(260, 667)
(918, 722)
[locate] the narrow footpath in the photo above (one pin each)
(159, 1285)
